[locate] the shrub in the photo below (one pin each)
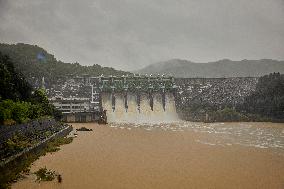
(228, 114)
(43, 174)
(9, 122)
(53, 146)
(20, 111)
(6, 108)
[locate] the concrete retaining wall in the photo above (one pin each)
(63, 132)
(81, 117)
(7, 132)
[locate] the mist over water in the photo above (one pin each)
(134, 113)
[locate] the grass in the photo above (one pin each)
(53, 146)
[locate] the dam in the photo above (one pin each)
(136, 98)
(143, 98)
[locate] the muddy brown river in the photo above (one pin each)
(178, 155)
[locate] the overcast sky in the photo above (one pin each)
(130, 34)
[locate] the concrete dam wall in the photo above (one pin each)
(151, 98)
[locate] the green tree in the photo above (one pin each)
(268, 98)
(6, 108)
(13, 85)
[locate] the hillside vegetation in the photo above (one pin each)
(35, 62)
(18, 101)
(265, 103)
(268, 98)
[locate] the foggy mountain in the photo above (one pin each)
(221, 68)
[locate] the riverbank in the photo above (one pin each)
(23, 144)
(163, 156)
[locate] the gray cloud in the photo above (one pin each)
(129, 34)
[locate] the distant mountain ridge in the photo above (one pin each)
(222, 68)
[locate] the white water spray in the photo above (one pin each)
(132, 114)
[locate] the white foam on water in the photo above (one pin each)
(207, 143)
(145, 115)
(245, 134)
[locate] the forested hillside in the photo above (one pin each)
(35, 62)
(13, 85)
(268, 98)
(233, 100)
(20, 103)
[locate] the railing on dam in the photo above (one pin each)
(112, 88)
(134, 83)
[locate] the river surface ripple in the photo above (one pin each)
(253, 134)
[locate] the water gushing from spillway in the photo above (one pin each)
(133, 108)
